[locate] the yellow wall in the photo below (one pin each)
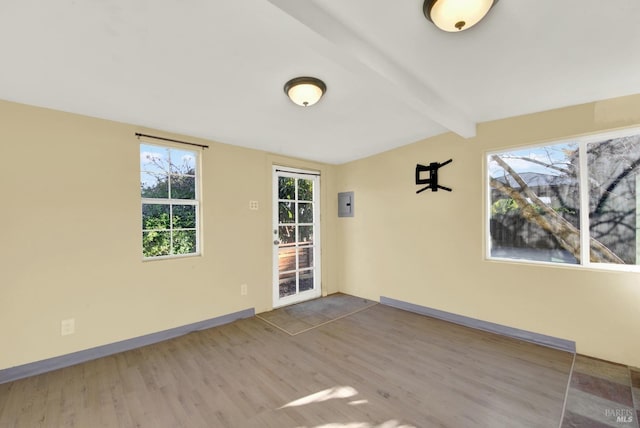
(71, 237)
(70, 242)
(428, 249)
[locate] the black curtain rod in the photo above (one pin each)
(204, 146)
(317, 174)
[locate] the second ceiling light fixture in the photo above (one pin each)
(456, 15)
(305, 91)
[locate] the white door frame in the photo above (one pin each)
(279, 171)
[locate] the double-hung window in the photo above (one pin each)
(169, 183)
(572, 202)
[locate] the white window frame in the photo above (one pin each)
(585, 262)
(171, 202)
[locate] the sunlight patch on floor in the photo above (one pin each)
(327, 394)
(342, 392)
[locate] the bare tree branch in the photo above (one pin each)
(537, 212)
(614, 183)
(545, 164)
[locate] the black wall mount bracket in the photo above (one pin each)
(432, 181)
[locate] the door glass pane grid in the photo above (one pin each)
(295, 233)
(295, 229)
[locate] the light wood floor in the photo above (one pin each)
(381, 367)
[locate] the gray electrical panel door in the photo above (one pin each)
(345, 204)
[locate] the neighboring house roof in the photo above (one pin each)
(536, 179)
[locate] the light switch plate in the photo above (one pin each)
(67, 327)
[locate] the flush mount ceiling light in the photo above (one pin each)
(456, 15)
(305, 91)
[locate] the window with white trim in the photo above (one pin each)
(169, 180)
(572, 202)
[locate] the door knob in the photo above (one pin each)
(276, 242)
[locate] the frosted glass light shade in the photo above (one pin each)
(305, 91)
(456, 15)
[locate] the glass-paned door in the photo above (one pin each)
(296, 236)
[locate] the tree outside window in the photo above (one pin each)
(170, 204)
(536, 209)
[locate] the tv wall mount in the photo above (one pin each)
(432, 181)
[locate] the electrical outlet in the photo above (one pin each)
(67, 327)
(243, 289)
(253, 205)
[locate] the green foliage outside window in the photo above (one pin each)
(169, 204)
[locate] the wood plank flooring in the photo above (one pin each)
(380, 367)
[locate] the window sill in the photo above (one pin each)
(598, 267)
(171, 257)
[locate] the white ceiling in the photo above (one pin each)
(216, 68)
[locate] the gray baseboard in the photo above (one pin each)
(528, 336)
(38, 367)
